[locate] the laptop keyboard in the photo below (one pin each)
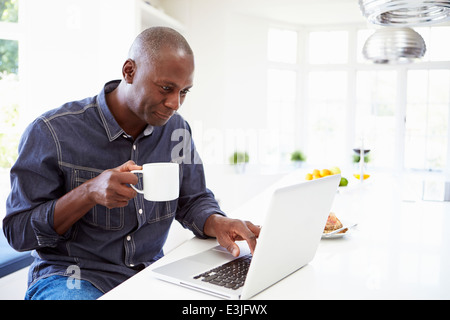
(229, 275)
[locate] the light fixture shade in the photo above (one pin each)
(394, 45)
(405, 12)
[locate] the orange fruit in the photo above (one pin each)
(316, 172)
(309, 176)
(357, 176)
(325, 172)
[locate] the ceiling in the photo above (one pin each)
(303, 12)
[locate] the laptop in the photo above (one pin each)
(288, 240)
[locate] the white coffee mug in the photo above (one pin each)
(161, 181)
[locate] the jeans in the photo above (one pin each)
(62, 288)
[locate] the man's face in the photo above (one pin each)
(159, 87)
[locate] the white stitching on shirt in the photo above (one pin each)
(69, 165)
(55, 138)
(71, 112)
(53, 132)
(105, 124)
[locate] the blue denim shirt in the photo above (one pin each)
(66, 147)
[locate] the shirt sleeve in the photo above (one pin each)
(36, 184)
(196, 202)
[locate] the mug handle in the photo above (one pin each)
(136, 189)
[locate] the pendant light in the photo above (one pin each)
(394, 45)
(405, 12)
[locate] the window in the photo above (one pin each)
(400, 111)
(362, 36)
(9, 83)
(428, 101)
(328, 47)
(437, 48)
(10, 87)
(407, 124)
(327, 97)
(282, 45)
(282, 88)
(9, 11)
(375, 116)
(326, 123)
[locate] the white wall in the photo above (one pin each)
(228, 100)
(72, 48)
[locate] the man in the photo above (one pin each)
(88, 228)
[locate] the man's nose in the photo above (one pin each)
(173, 101)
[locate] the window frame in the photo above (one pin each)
(354, 64)
(15, 31)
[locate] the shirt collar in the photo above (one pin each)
(148, 131)
(112, 128)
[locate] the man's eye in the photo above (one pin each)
(185, 92)
(165, 88)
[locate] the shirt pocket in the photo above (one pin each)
(99, 216)
(162, 210)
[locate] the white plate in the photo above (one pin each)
(334, 235)
(338, 235)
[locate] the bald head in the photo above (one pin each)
(149, 43)
(157, 76)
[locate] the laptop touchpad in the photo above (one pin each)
(217, 255)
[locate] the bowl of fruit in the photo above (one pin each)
(317, 174)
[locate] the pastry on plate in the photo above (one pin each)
(333, 223)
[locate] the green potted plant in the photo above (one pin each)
(298, 157)
(239, 160)
(356, 158)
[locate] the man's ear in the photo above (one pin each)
(128, 70)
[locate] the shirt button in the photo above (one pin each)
(140, 211)
(131, 265)
(125, 136)
(128, 238)
(134, 147)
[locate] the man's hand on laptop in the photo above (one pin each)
(228, 230)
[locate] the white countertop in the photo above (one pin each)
(400, 249)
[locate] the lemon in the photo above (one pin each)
(365, 176)
(325, 172)
(343, 183)
(309, 176)
(335, 170)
